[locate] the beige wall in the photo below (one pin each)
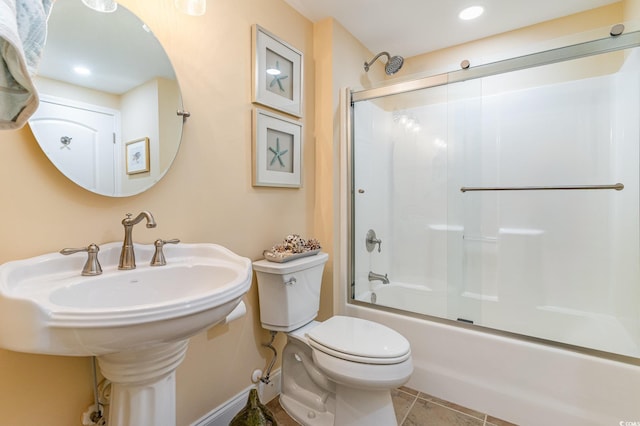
(206, 197)
(632, 12)
(140, 119)
(69, 91)
(170, 123)
(339, 59)
(558, 32)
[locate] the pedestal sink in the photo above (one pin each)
(137, 323)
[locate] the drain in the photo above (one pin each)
(373, 297)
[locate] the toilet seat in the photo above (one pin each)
(359, 340)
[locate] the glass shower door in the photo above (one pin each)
(509, 201)
(400, 179)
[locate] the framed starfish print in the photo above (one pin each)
(277, 150)
(277, 73)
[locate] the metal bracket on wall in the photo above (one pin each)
(184, 114)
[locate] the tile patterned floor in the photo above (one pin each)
(415, 408)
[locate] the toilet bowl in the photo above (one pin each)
(336, 372)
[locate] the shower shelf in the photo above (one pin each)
(617, 187)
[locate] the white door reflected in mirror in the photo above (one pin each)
(80, 141)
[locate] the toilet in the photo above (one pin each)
(336, 372)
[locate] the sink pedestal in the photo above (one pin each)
(143, 388)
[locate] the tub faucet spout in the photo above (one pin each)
(127, 255)
(378, 277)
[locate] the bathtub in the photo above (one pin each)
(579, 328)
(411, 297)
(523, 381)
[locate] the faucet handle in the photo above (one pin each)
(158, 257)
(372, 240)
(92, 266)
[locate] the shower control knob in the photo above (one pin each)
(372, 240)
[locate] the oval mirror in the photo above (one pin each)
(108, 100)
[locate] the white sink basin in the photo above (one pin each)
(47, 307)
(136, 322)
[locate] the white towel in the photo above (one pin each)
(23, 30)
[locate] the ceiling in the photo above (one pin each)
(120, 52)
(412, 27)
(401, 27)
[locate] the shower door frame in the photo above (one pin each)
(576, 51)
(350, 97)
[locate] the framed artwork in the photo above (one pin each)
(137, 156)
(277, 70)
(277, 150)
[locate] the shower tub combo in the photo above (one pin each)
(493, 220)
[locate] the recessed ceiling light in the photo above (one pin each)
(82, 70)
(471, 13)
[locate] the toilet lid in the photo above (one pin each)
(359, 340)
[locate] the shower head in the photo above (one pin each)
(394, 63)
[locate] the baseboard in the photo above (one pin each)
(223, 414)
(271, 390)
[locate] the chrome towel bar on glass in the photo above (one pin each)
(617, 187)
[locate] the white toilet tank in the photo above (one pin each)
(289, 292)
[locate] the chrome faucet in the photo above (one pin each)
(127, 255)
(378, 277)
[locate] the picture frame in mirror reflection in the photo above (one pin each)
(277, 71)
(137, 156)
(277, 150)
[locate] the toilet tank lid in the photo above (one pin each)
(293, 266)
(360, 337)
